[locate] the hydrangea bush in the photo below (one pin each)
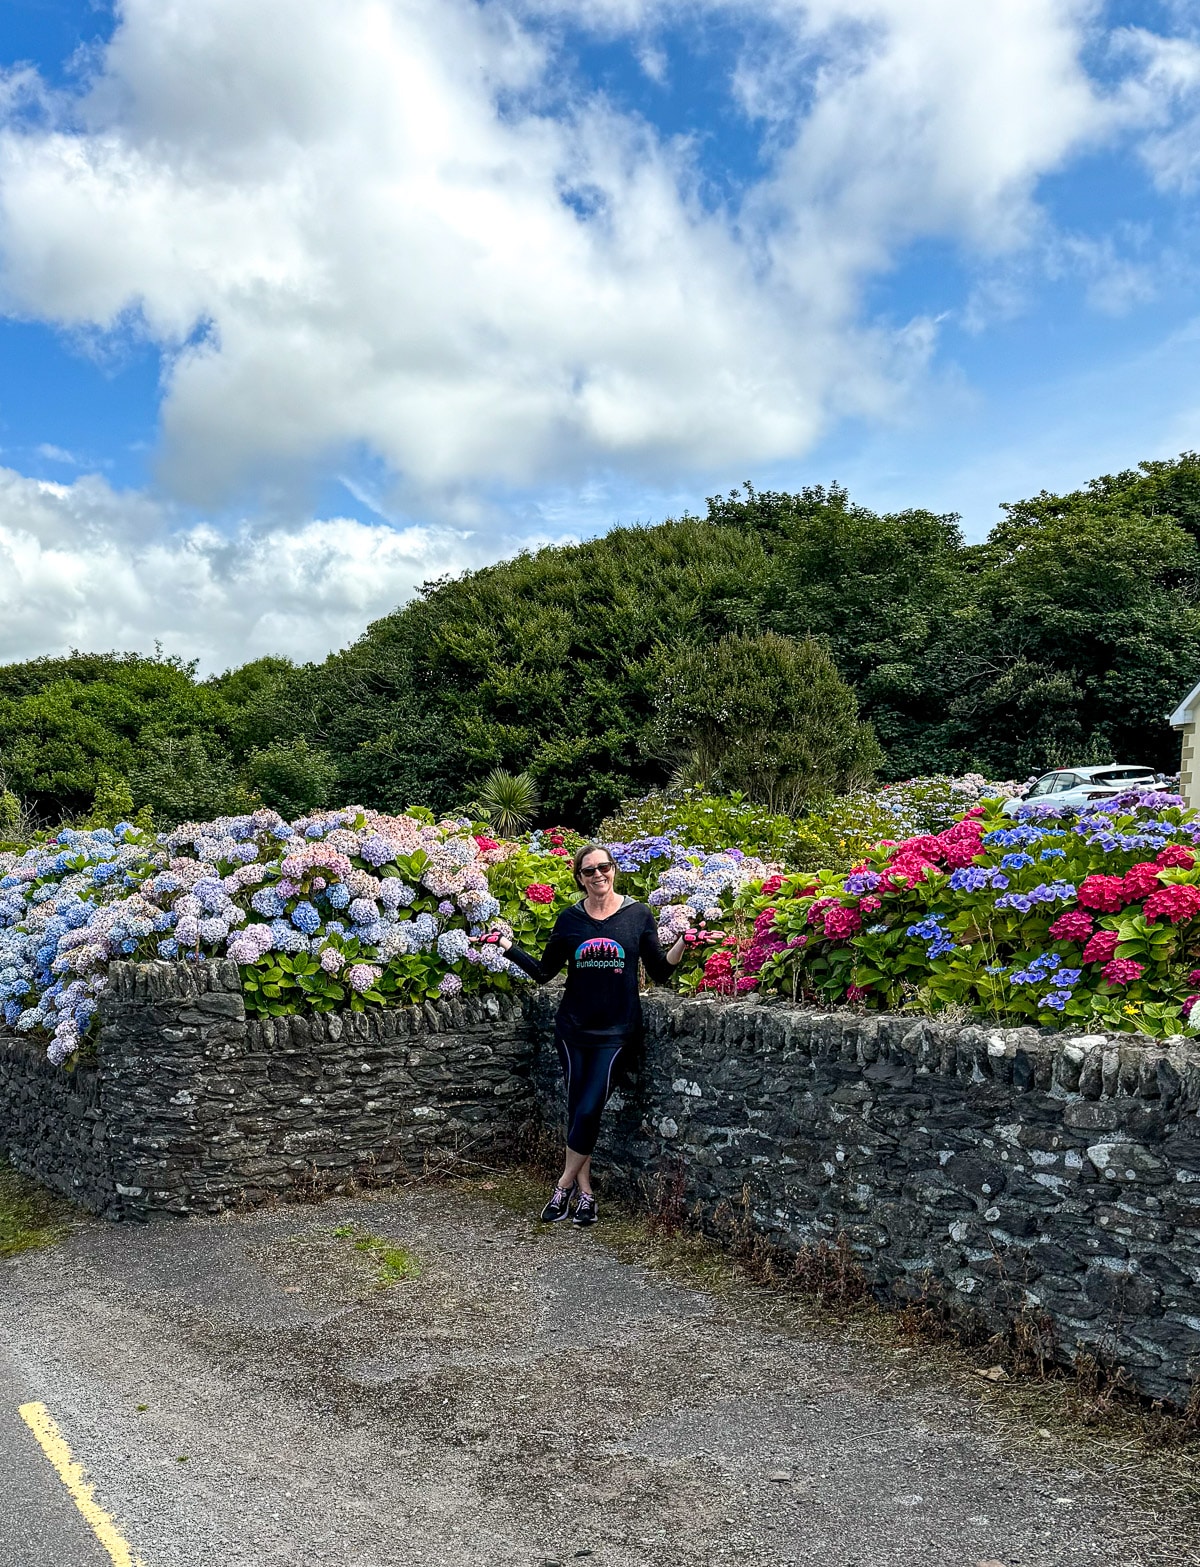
(343, 908)
(706, 822)
(346, 908)
(832, 835)
(1089, 920)
(836, 834)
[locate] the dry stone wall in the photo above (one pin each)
(1002, 1172)
(189, 1106)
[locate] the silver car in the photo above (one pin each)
(1076, 787)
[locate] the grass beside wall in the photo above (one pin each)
(29, 1216)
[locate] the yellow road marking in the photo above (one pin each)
(83, 1493)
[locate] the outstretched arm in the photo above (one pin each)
(542, 970)
(659, 964)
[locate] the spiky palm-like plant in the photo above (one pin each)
(510, 800)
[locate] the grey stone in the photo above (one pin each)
(1006, 1167)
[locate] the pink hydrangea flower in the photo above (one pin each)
(1140, 881)
(841, 923)
(538, 892)
(1176, 903)
(1074, 925)
(1176, 858)
(362, 976)
(1101, 947)
(1123, 971)
(1103, 893)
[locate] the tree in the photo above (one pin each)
(544, 663)
(509, 801)
(291, 776)
(766, 715)
(113, 801)
(874, 588)
(1082, 634)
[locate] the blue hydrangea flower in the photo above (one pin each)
(267, 902)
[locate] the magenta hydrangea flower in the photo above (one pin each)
(1123, 971)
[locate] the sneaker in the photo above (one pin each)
(559, 1206)
(586, 1212)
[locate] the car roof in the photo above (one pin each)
(1109, 767)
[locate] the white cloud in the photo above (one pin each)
(82, 565)
(347, 226)
(58, 454)
(1165, 95)
(400, 226)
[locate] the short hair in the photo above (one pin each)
(582, 854)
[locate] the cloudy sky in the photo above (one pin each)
(305, 301)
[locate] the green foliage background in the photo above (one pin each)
(1066, 636)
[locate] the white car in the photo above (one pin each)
(1077, 787)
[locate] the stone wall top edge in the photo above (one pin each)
(1011, 1037)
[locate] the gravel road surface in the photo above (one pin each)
(268, 1389)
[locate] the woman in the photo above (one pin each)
(600, 939)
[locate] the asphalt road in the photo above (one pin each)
(245, 1393)
(40, 1526)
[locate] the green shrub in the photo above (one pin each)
(291, 776)
(703, 821)
(766, 715)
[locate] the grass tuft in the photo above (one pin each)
(29, 1216)
(392, 1261)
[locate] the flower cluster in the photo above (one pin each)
(967, 916)
(340, 907)
(700, 888)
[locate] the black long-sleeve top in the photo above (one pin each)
(600, 1005)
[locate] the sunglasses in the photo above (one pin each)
(597, 870)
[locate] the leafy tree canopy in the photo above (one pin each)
(1066, 636)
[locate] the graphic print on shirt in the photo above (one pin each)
(600, 952)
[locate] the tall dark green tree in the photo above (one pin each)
(767, 716)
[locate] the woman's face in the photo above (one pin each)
(596, 873)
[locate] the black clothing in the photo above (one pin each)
(600, 1013)
(588, 1070)
(600, 1005)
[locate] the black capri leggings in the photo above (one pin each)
(588, 1070)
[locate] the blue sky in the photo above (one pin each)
(301, 302)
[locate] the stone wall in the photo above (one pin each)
(1000, 1171)
(188, 1106)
